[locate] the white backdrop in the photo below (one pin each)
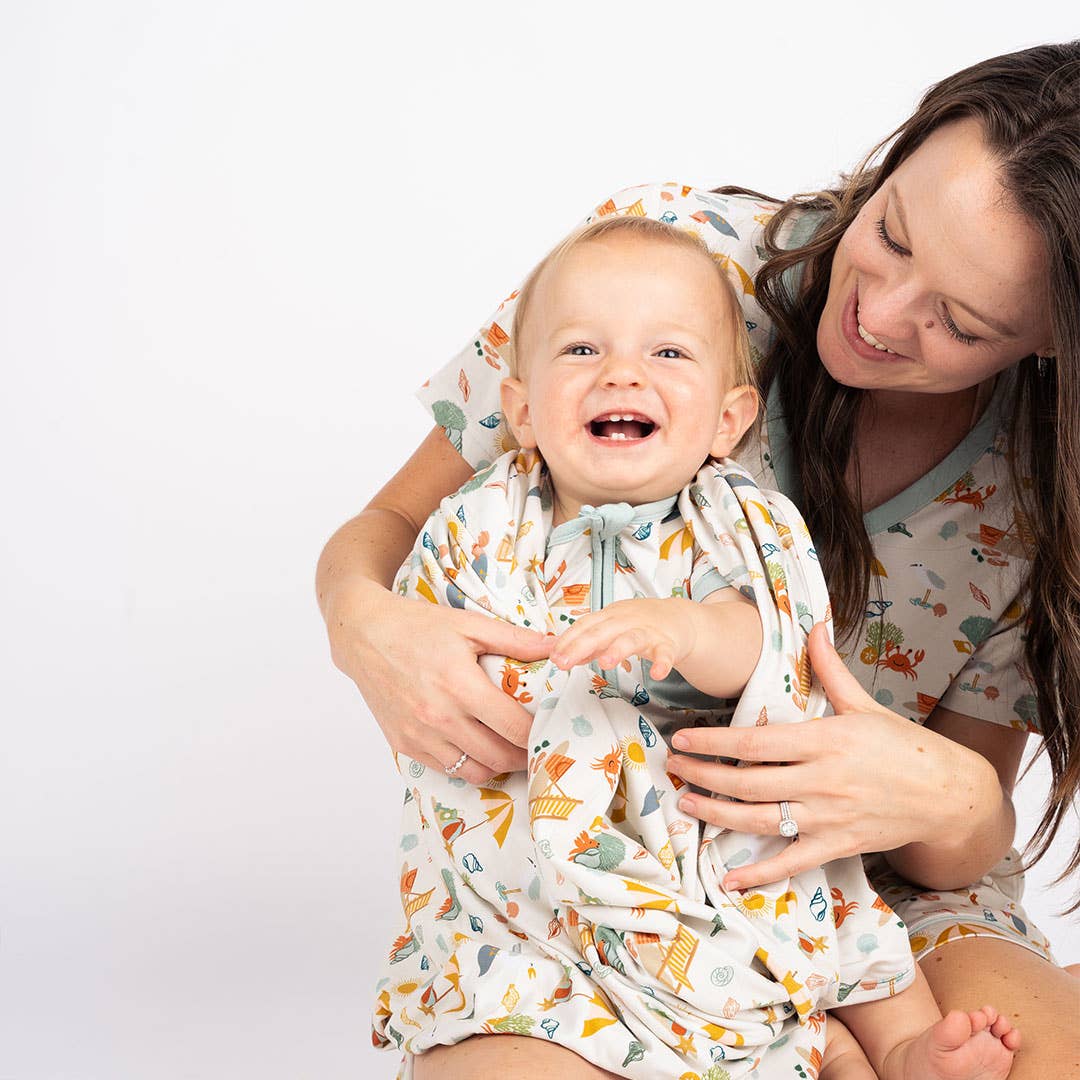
(234, 236)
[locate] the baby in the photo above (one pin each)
(600, 922)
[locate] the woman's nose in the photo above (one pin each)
(887, 311)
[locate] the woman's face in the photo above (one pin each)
(938, 283)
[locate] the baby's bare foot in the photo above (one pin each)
(963, 1046)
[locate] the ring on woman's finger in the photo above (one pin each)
(450, 770)
(789, 827)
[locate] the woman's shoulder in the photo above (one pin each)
(730, 223)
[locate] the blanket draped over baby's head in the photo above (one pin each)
(622, 884)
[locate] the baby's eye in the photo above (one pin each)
(670, 353)
(580, 350)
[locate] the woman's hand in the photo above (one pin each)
(862, 780)
(415, 665)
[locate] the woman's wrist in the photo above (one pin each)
(975, 836)
(354, 577)
(360, 561)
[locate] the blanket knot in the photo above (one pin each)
(608, 520)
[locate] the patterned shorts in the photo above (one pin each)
(989, 908)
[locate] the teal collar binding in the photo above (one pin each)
(924, 490)
(609, 520)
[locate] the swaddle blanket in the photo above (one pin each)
(575, 902)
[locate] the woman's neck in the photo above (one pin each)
(901, 436)
(925, 412)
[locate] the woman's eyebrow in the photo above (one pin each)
(899, 204)
(997, 327)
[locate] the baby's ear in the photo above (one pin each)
(738, 411)
(514, 396)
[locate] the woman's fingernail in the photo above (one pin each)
(681, 741)
(731, 883)
(686, 804)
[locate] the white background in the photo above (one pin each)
(234, 236)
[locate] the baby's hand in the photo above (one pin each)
(663, 631)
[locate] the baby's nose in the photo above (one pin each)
(623, 369)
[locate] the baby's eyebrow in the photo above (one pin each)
(583, 326)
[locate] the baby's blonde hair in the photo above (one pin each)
(647, 229)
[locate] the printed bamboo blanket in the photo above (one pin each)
(575, 902)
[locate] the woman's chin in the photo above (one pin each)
(836, 360)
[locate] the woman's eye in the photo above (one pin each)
(954, 330)
(887, 240)
(946, 318)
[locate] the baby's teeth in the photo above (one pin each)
(617, 435)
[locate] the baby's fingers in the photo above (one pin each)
(581, 643)
(598, 642)
(663, 660)
(628, 643)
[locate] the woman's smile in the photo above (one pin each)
(856, 335)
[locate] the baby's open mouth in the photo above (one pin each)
(621, 426)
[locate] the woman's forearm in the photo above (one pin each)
(967, 854)
(365, 553)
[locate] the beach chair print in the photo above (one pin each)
(553, 802)
(411, 901)
(677, 957)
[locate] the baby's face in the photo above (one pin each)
(627, 372)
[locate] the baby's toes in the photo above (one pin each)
(1002, 1028)
(980, 1021)
(954, 1029)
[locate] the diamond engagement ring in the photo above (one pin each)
(789, 827)
(451, 769)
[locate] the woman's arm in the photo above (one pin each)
(415, 664)
(980, 841)
(367, 550)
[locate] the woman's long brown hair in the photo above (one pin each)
(1029, 106)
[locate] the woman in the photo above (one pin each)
(921, 385)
